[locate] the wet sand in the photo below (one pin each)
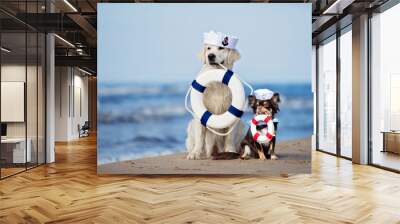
(294, 158)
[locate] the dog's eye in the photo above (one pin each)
(208, 48)
(220, 48)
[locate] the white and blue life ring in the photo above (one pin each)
(235, 110)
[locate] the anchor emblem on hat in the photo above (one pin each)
(220, 39)
(225, 41)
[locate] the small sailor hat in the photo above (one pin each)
(263, 94)
(220, 39)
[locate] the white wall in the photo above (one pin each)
(33, 126)
(71, 102)
(62, 82)
(12, 73)
(80, 109)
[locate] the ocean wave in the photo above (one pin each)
(142, 90)
(163, 141)
(164, 112)
(293, 126)
(143, 114)
(153, 139)
(296, 103)
(292, 98)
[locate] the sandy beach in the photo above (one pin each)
(294, 158)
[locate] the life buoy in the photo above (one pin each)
(259, 135)
(235, 110)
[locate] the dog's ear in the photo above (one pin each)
(202, 55)
(276, 98)
(252, 101)
(233, 56)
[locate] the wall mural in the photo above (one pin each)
(204, 89)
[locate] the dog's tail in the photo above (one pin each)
(226, 156)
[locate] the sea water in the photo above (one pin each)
(144, 120)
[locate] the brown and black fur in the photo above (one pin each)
(267, 107)
(261, 151)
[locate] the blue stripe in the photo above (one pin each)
(236, 112)
(227, 77)
(197, 86)
(205, 117)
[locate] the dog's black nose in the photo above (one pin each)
(211, 57)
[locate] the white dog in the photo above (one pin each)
(200, 142)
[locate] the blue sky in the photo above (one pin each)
(160, 42)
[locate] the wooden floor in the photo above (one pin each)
(69, 191)
(5, 172)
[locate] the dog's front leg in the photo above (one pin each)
(210, 141)
(190, 137)
(233, 140)
(246, 152)
(260, 152)
(272, 149)
(198, 133)
(220, 143)
(229, 143)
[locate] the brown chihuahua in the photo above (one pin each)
(267, 107)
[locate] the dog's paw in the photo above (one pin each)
(193, 156)
(274, 157)
(190, 156)
(230, 149)
(245, 157)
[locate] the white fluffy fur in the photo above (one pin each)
(201, 142)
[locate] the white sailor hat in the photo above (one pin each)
(220, 39)
(263, 94)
